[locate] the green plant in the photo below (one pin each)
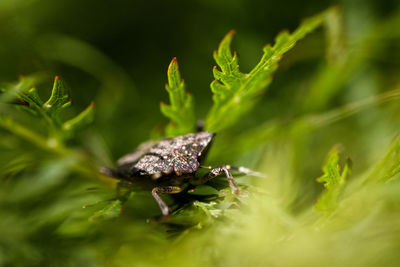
(57, 130)
(235, 93)
(181, 110)
(52, 215)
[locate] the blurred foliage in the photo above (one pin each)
(49, 111)
(334, 180)
(336, 91)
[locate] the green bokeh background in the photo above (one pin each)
(116, 53)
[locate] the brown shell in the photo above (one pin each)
(178, 156)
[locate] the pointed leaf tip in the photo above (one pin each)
(174, 61)
(58, 100)
(234, 85)
(180, 110)
(226, 40)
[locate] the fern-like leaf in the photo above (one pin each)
(181, 111)
(333, 179)
(59, 99)
(50, 110)
(236, 92)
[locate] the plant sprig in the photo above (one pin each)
(334, 179)
(50, 111)
(181, 109)
(235, 92)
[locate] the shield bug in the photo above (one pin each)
(166, 166)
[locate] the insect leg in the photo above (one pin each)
(215, 171)
(164, 190)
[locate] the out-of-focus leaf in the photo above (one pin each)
(203, 190)
(389, 167)
(34, 97)
(72, 51)
(110, 211)
(50, 110)
(19, 92)
(81, 120)
(333, 179)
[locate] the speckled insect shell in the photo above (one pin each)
(178, 156)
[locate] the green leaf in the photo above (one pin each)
(26, 94)
(333, 179)
(181, 110)
(388, 167)
(32, 102)
(18, 93)
(203, 190)
(80, 121)
(59, 99)
(33, 97)
(110, 211)
(235, 92)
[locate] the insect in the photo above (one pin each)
(166, 166)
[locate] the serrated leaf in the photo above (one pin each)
(203, 190)
(334, 180)
(27, 96)
(34, 96)
(32, 99)
(59, 99)
(236, 92)
(17, 92)
(80, 121)
(181, 111)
